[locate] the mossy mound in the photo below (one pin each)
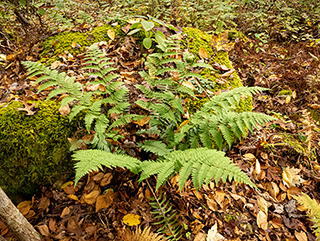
(34, 149)
(63, 42)
(202, 39)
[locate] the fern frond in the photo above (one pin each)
(201, 163)
(313, 208)
(156, 147)
(168, 222)
(92, 160)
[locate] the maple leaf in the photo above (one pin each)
(221, 42)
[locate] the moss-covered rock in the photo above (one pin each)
(62, 42)
(202, 39)
(34, 149)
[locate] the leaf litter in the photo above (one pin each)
(282, 158)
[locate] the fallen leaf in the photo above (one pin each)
(24, 207)
(276, 223)
(28, 108)
(201, 236)
(227, 74)
(52, 225)
(262, 220)
(104, 201)
(188, 85)
(65, 212)
(131, 219)
(111, 34)
(44, 230)
(91, 197)
(55, 64)
(273, 190)
(263, 205)
(143, 121)
(106, 179)
(221, 42)
(203, 53)
(249, 156)
(301, 236)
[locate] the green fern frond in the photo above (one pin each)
(313, 208)
(156, 147)
(92, 160)
(201, 163)
(168, 222)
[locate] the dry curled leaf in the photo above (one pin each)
(221, 42)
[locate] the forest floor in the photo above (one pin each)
(282, 158)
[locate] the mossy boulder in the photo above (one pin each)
(202, 39)
(34, 149)
(63, 42)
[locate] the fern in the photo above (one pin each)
(163, 211)
(201, 163)
(218, 120)
(157, 147)
(92, 160)
(313, 208)
(145, 235)
(114, 93)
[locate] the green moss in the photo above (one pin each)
(202, 39)
(62, 42)
(34, 149)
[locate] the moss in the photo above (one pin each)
(34, 149)
(202, 39)
(62, 42)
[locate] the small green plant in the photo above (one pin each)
(147, 25)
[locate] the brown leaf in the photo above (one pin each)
(106, 179)
(276, 223)
(44, 230)
(44, 203)
(91, 197)
(65, 212)
(52, 225)
(273, 190)
(69, 189)
(104, 201)
(98, 177)
(263, 205)
(227, 74)
(188, 85)
(28, 108)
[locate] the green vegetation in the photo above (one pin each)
(34, 149)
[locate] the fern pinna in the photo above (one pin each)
(218, 121)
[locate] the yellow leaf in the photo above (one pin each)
(131, 219)
(143, 121)
(203, 53)
(111, 34)
(288, 99)
(221, 42)
(301, 236)
(249, 156)
(24, 207)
